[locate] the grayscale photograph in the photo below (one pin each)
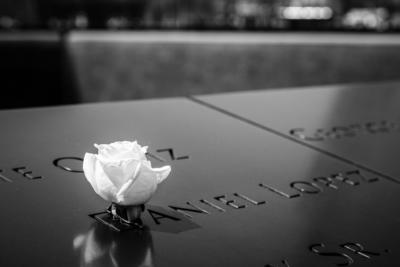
(200, 133)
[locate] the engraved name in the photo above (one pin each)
(237, 201)
(346, 131)
(74, 164)
(341, 255)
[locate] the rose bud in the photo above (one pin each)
(121, 173)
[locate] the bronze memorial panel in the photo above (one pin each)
(238, 195)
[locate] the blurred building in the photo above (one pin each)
(372, 15)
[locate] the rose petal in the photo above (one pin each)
(89, 163)
(96, 177)
(105, 188)
(121, 150)
(142, 189)
(116, 151)
(162, 173)
(125, 187)
(141, 150)
(121, 171)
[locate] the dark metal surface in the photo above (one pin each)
(318, 210)
(358, 123)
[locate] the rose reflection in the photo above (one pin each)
(101, 246)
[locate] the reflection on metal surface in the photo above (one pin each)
(102, 247)
(129, 215)
(368, 111)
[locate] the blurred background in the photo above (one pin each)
(72, 51)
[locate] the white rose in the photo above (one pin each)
(121, 173)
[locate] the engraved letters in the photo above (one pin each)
(4, 178)
(172, 154)
(184, 210)
(157, 216)
(353, 130)
(341, 258)
(230, 202)
(26, 173)
(334, 182)
(341, 255)
(279, 192)
(62, 164)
